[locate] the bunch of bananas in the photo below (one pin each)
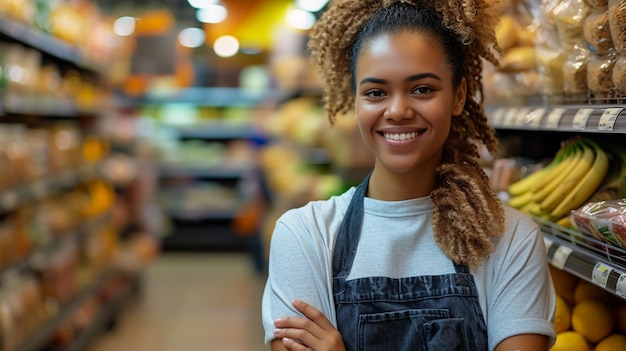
(566, 183)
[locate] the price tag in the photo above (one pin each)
(497, 116)
(581, 117)
(608, 118)
(533, 119)
(510, 117)
(620, 287)
(554, 118)
(521, 116)
(600, 274)
(560, 256)
(9, 199)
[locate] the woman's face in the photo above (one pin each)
(405, 100)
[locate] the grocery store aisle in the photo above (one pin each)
(193, 302)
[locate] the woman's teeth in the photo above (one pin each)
(400, 136)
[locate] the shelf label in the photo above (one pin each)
(554, 118)
(510, 117)
(600, 274)
(560, 257)
(533, 118)
(608, 118)
(581, 117)
(498, 116)
(620, 287)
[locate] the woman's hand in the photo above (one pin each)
(313, 332)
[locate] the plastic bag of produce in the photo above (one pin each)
(604, 220)
(617, 23)
(597, 32)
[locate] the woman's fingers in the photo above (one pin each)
(313, 314)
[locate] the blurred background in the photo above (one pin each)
(148, 146)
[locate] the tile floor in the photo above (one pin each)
(193, 302)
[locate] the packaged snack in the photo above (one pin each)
(598, 4)
(617, 22)
(619, 75)
(604, 220)
(597, 32)
(600, 72)
(575, 70)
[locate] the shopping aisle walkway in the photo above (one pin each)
(193, 302)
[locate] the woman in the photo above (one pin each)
(421, 255)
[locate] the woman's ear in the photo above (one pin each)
(460, 95)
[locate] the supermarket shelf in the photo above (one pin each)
(45, 43)
(41, 338)
(11, 199)
(570, 118)
(27, 261)
(221, 130)
(13, 103)
(586, 257)
(202, 214)
(200, 96)
(216, 172)
(107, 315)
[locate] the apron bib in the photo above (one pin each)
(429, 313)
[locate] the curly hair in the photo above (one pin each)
(467, 214)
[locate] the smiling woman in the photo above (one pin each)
(421, 255)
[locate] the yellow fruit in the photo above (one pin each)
(614, 342)
(593, 320)
(506, 32)
(564, 284)
(519, 59)
(570, 341)
(586, 290)
(562, 316)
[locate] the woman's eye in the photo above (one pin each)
(374, 93)
(422, 90)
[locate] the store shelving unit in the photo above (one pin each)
(13, 107)
(583, 256)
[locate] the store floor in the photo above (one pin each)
(192, 302)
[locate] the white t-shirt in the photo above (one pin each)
(514, 285)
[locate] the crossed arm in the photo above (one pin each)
(315, 332)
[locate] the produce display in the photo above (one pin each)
(587, 318)
(604, 220)
(581, 171)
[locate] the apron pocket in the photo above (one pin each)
(445, 335)
(399, 330)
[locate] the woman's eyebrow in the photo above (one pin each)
(412, 78)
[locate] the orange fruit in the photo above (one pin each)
(612, 343)
(562, 315)
(570, 341)
(592, 319)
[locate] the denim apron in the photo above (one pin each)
(431, 313)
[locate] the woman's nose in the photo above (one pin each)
(399, 108)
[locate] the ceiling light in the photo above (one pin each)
(201, 4)
(212, 14)
(311, 5)
(226, 46)
(124, 26)
(300, 19)
(191, 37)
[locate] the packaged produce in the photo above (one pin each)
(597, 32)
(617, 22)
(550, 55)
(570, 16)
(604, 220)
(600, 73)
(619, 74)
(575, 70)
(598, 4)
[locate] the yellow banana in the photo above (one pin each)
(556, 177)
(587, 186)
(519, 201)
(575, 176)
(564, 222)
(527, 183)
(569, 150)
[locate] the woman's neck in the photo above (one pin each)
(391, 186)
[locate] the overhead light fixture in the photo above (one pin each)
(311, 5)
(191, 37)
(300, 19)
(201, 4)
(212, 14)
(124, 26)
(226, 46)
